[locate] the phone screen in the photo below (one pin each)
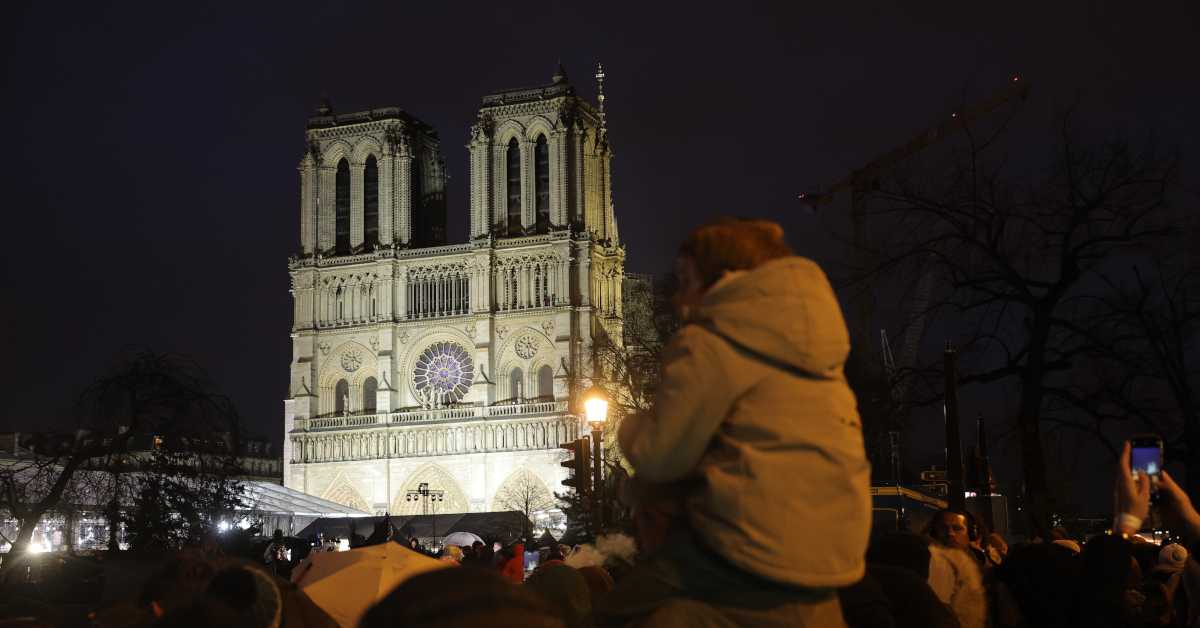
(1146, 460)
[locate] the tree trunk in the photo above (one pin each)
(26, 526)
(113, 514)
(1033, 461)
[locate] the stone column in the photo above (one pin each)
(577, 141)
(356, 204)
(325, 199)
(400, 293)
(404, 204)
(499, 186)
(528, 207)
(307, 206)
(560, 201)
(387, 165)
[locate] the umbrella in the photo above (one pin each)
(462, 539)
(347, 584)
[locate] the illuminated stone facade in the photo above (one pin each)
(415, 361)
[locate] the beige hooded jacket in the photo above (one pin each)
(755, 415)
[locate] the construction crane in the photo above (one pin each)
(862, 180)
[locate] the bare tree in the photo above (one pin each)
(527, 495)
(1018, 260)
(148, 399)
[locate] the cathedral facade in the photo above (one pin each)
(456, 366)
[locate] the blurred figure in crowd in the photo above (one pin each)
(758, 434)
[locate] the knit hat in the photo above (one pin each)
(1172, 558)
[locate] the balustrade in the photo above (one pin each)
(513, 433)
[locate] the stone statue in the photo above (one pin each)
(346, 403)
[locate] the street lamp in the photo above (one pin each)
(595, 407)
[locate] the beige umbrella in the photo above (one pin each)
(347, 584)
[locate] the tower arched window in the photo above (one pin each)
(341, 397)
(342, 208)
(545, 380)
(515, 384)
(541, 182)
(371, 201)
(514, 187)
(370, 387)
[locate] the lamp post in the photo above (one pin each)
(595, 406)
(424, 495)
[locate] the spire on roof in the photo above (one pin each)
(324, 107)
(560, 75)
(600, 91)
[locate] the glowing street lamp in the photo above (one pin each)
(595, 409)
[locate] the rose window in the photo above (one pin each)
(527, 346)
(444, 373)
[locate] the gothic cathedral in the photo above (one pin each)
(418, 362)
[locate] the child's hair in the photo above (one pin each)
(733, 244)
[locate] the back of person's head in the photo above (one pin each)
(278, 535)
(176, 582)
(1108, 567)
(901, 549)
(457, 598)
(1171, 558)
(599, 581)
(553, 553)
(912, 602)
(566, 590)
(1040, 577)
(731, 244)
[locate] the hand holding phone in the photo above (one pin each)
(1147, 457)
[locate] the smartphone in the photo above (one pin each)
(1147, 457)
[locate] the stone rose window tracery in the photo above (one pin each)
(351, 360)
(443, 374)
(527, 346)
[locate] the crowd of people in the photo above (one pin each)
(752, 505)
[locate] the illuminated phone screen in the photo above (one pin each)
(1146, 460)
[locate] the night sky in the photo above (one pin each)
(151, 197)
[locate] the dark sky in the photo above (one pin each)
(150, 193)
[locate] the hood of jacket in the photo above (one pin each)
(785, 310)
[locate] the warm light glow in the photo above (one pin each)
(596, 409)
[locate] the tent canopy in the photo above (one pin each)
(504, 526)
(268, 498)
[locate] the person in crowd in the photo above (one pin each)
(599, 582)
(566, 590)
(461, 598)
(902, 565)
(551, 556)
(275, 556)
(513, 566)
(1036, 580)
(452, 554)
(955, 576)
(758, 432)
(958, 529)
(996, 549)
(951, 528)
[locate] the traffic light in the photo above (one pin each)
(580, 465)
